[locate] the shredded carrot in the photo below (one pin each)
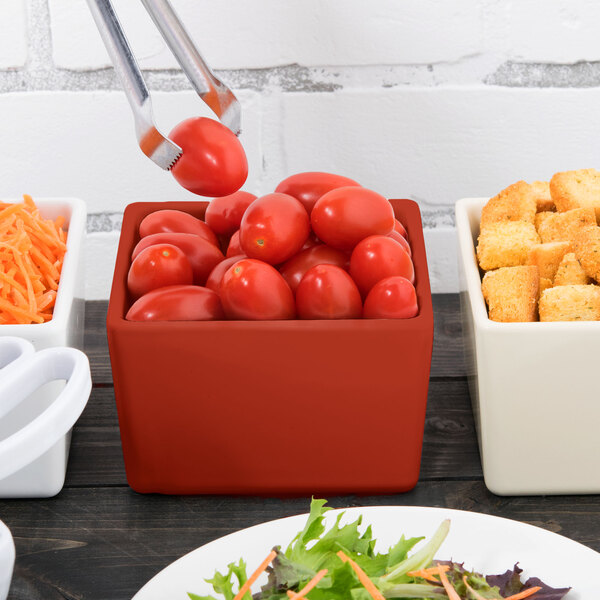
(32, 251)
(525, 593)
(309, 586)
(248, 584)
(452, 593)
(362, 577)
(429, 573)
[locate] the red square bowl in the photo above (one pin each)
(270, 407)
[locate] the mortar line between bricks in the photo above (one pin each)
(40, 74)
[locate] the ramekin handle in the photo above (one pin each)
(27, 444)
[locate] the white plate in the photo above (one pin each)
(485, 543)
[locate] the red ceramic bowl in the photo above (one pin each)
(270, 407)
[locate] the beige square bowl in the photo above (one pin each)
(534, 388)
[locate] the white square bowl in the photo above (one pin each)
(45, 476)
(533, 386)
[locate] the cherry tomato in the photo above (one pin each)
(234, 248)
(177, 303)
(309, 187)
(311, 240)
(176, 221)
(294, 269)
(274, 227)
(213, 162)
(203, 255)
(224, 214)
(400, 229)
(216, 275)
(345, 216)
(377, 257)
(401, 240)
(158, 266)
(391, 298)
(328, 292)
(254, 290)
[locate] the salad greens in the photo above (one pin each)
(393, 573)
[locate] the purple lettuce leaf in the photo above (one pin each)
(510, 583)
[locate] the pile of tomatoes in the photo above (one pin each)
(320, 247)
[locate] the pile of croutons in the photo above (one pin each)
(539, 245)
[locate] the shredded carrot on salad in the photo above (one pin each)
(262, 567)
(32, 251)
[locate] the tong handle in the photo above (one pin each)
(121, 56)
(152, 143)
(209, 87)
(182, 46)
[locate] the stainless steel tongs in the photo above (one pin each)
(211, 90)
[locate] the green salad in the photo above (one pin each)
(340, 563)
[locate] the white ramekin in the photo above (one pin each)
(45, 476)
(534, 388)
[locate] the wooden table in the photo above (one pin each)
(99, 540)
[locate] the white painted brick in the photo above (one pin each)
(264, 33)
(13, 34)
(441, 248)
(100, 254)
(440, 144)
(83, 145)
(563, 31)
(77, 45)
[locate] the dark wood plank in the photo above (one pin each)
(447, 359)
(449, 442)
(95, 343)
(105, 543)
(96, 458)
(450, 449)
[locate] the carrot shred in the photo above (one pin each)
(429, 573)
(525, 593)
(452, 593)
(362, 577)
(248, 584)
(309, 586)
(32, 251)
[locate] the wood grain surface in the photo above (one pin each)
(99, 540)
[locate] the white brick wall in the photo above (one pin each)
(13, 34)
(426, 99)
(238, 34)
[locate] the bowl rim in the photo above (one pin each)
(76, 221)
(465, 210)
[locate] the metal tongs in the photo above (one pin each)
(210, 88)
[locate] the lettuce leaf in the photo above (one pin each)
(316, 546)
(510, 583)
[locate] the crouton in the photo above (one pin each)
(545, 284)
(570, 303)
(576, 189)
(511, 293)
(547, 257)
(540, 218)
(587, 251)
(505, 244)
(541, 194)
(515, 203)
(565, 226)
(570, 272)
